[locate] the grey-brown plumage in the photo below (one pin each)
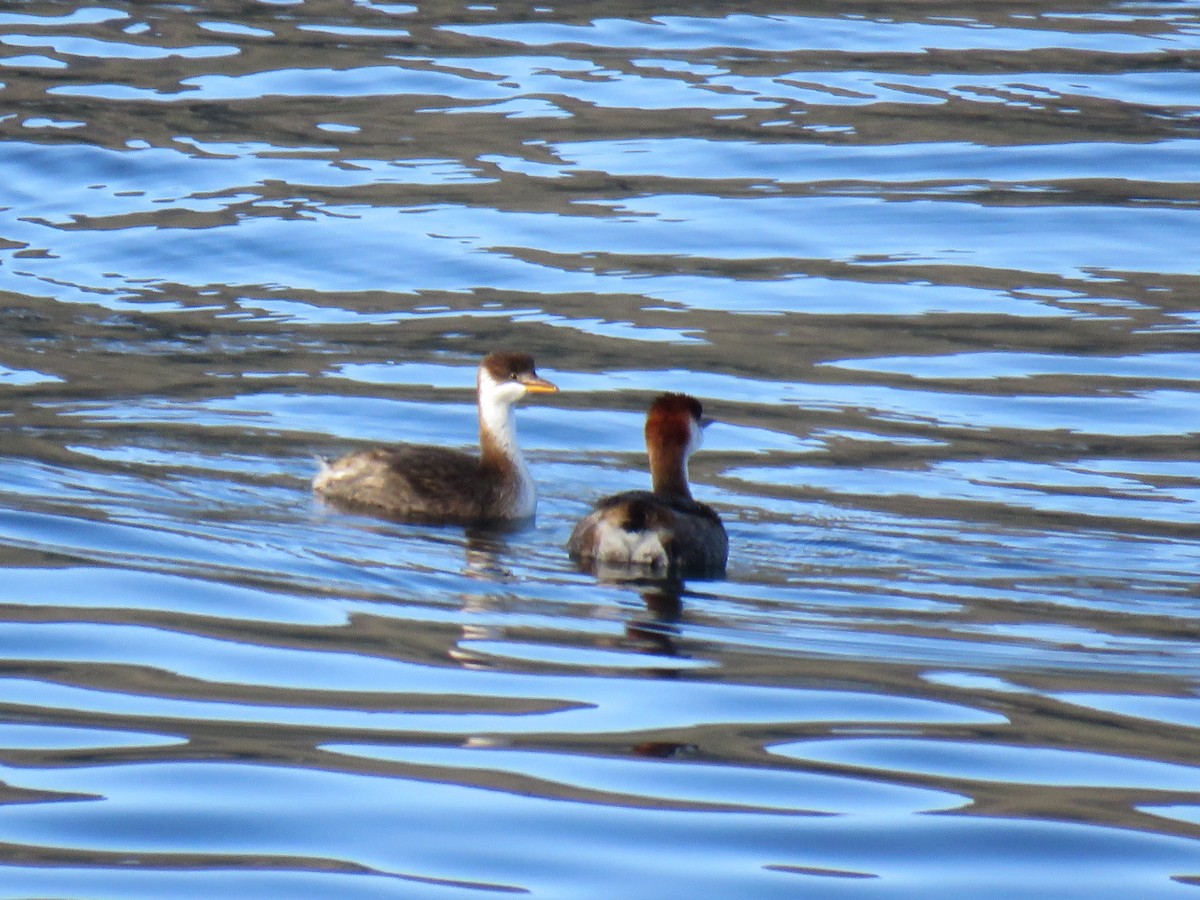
(413, 483)
(662, 530)
(442, 485)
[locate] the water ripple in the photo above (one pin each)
(931, 272)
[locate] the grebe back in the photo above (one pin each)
(663, 529)
(441, 485)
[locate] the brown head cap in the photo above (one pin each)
(669, 422)
(506, 365)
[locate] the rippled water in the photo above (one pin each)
(933, 269)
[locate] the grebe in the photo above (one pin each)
(436, 484)
(664, 529)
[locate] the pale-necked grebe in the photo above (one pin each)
(437, 484)
(664, 529)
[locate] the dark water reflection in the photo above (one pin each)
(933, 269)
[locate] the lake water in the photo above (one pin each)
(933, 269)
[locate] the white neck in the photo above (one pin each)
(498, 425)
(498, 431)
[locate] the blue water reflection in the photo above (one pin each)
(1024, 765)
(931, 273)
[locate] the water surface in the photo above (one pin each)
(931, 268)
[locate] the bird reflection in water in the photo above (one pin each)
(485, 549)
(484, 553)
(657, 629)
(653, 629)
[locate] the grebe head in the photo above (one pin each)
(504, 378)
(674, 427)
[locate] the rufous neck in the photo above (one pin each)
(668, 472)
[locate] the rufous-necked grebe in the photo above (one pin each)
(664, 530)
(440, 485)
